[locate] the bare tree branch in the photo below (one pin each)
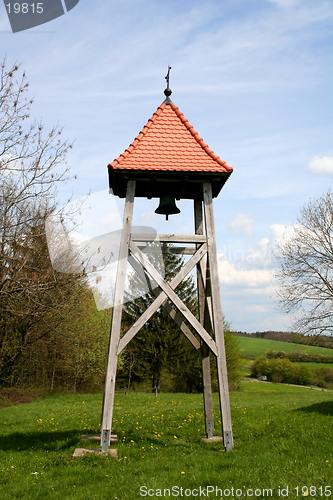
(33, 298)
(305, 275)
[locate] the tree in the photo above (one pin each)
(232, 354)
(34, 298)
(75, 352)
(305, 275)
(160, 343)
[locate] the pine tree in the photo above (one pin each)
(160, 344)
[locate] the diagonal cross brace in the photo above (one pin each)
(170, 310)
(203, 269)
(171, 294)
(160, 299)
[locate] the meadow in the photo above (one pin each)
(257, 347)
(282, 439)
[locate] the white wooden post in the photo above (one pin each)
(217, 319)
(205, 360)
(110, 380)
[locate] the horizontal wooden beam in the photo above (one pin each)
(172, 238)
(168, 250)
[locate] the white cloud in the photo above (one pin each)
(242, 223)
(277, 231)
(252, 271)
(283, 233)
(262, 253)
(235, 274)
(320, 166)
(290, 232)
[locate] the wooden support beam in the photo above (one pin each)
(186, 331)
(205, 360)
(170, 310)
(145, 278)
(205, 276)
(110, 379)
(160, 299)
(217, 318)
(171, 238)
(168, 250)
(169, 292)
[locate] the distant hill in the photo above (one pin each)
(281, 336)
(253, 347)
(295, 338)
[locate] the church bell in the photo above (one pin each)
(167, 206)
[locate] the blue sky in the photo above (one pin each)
(254, 78)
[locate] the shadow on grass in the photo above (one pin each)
(324, 408)
(60, 440)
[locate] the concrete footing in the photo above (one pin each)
(212, 439)
(79, 452)
(97, 437)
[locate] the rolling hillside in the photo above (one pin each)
(257, 347)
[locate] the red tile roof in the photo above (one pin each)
(169, 143)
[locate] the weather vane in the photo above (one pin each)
(168, 91)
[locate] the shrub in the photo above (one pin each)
(305, 375)
(283, 370)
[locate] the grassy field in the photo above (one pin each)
(282, 438)
(246, 366)
(258, 347)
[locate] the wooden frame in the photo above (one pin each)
(209, 328)
(110, 379)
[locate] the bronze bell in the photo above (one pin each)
(167, 206)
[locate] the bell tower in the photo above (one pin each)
(168, 160)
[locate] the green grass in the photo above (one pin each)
(258, 347)
(245, 367)
(282, 436)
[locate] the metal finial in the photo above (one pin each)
(168, 91)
